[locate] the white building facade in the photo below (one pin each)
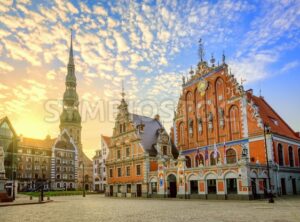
(99, 168)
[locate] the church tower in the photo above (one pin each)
(70, 118)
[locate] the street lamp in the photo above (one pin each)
(83, 182)
(267, 129)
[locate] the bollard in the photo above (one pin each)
(30, 197)
(48, 198)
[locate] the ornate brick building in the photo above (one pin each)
(220, 130)
(136, 145)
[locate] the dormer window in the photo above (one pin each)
(140, 127)
(122, 127)
(275, 121)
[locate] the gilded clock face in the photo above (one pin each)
(202, 86)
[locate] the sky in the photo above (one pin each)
(147, 44)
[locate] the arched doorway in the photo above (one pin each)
(172, 185)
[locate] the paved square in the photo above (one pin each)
(100, 208)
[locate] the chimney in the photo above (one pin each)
(156, 117)
(250, 91)
(21, 138)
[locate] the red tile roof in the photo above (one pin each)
(106, 139)
(272, 119)
(38, 143)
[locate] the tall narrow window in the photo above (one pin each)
(128, 171)
(188, 162)
(291, 156)
(191, 128)
(234, 122)
(280, 155)
(127, 151)
(138, 170)
(181, 128)
(119, 172)
(119, 154)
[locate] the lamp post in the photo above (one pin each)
(267, 130)
(83, 182)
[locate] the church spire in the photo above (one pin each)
(201, 50)
(71, 59)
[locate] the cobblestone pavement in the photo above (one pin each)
(99, 208)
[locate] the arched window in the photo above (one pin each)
(188, 162)
(280, 155)
(200, 127)
(230, 156)
(213, 160)
(291, 156)
(234, 122)
(189, 102)
(191, 124)
(220, 90)
(199, 160)
(181, 133)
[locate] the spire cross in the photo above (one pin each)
(123, 93)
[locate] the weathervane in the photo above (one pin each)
(201, 50)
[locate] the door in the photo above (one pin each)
(294, 186)
(253, 185)
(173, 189)
(139, 190)
(283, 189)
(111, 190)
(265, 188)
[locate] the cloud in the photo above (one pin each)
(99, 10)
(4, 67)
(71, 7)
(289, 66)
